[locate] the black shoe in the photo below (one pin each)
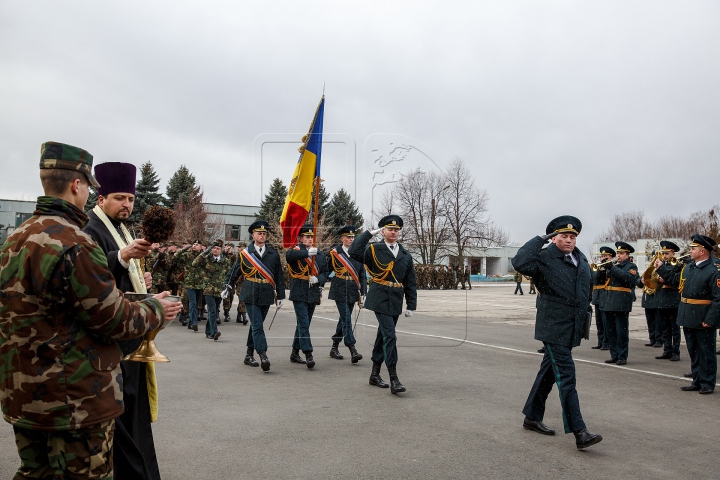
(309, 359)
(245, 319)
(189, 327)
(335, 353)
(658, 345)
(539, 427)
(264, 362)
(675, 357)
(604, 347)
(690, 388)
(209, 336)
(687, 375)
(651, 344)
(250, 360)
(664, 356)
(596, 347)
(541, 350)
(218, 323)
(238, 319)
(611, 360)
(354, 355)
(375, 378)
(216, 336)
(621, 362)
(227, 317)
(705, 391)
(584, 439)
(194, 327)
(395, 385)
(295, 357)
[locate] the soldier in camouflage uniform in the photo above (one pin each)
(227, 302)
(173, 283)
(213, 266)
(159, 266)
(192, 282)
(60, 318)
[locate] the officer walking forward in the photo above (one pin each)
(263, 285)
(393, 277)
(562, 277)
(347, 287)
(699, 310)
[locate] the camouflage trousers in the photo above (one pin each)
(83, 453)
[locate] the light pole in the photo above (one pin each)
(432, 225)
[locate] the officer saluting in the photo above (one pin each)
(393, 277)
(699, 310)
(562, 277)
(264, 285)
(308, 273)
(347, 287)
(619, 297)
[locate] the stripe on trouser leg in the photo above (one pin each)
(556, 370)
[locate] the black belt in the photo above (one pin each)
(563, 301)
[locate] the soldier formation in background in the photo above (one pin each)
(442, 277)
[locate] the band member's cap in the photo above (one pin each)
(667, 246)
(564, 224)
(259, 226)
(391, 221)
(702, 241)
(116, 177)
(607, 251)
(623, 247)
(347, 230)
(306, 230)
(67, 157)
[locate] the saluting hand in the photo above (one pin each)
(375, 232)
(549, 236)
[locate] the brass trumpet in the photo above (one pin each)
(674, 261)
(597, 266)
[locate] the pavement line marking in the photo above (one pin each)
(516, 350)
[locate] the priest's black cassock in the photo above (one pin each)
(134, 448)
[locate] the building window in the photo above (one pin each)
(21, 218)
(235, 232)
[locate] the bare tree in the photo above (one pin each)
(194, 222)
(628, 226)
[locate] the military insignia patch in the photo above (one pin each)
(718, 282)
(633, 271)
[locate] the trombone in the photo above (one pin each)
(597, 266)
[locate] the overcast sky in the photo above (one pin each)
(586, 108)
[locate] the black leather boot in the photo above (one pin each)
(584, 439)
(245, 319)
(395, 385)
(375, 378)
(334, 352)
(227, 315)
(309, 359)
(264, 362)
(249, 359)
(295, 357)
(354, 355)
(238, 318)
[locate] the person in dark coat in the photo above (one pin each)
(652, 318)
(347, 287)
(619, 298)
(263, 285)
(308, 271)
(699, 310)
(393, 278)
(134, 456)
(667, 302)
(600, 281)
(562, 277)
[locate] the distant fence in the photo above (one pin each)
(483, 278)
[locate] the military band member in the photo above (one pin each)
(600, 282)
(667, 302)
(699, 310)
(308, 271)
(619, 297)
(214, 267)
(562, 278)
(393, 277)
(263, 286)
(347, 288)
(649, 303)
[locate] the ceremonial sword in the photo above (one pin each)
(274, 314)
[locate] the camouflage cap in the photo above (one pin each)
(67, 157)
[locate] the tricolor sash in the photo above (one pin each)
(259, 266)
(345, 262)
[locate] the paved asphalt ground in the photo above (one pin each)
(467, 378)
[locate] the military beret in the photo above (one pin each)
(564, 224)
(607, 251)
(116, 177)
(67, 157)
(229, 244)
(259, 226)
(702, 241)
(666, 245)
(390, 221)
(623, 247)
(347, 230)
(306, 229)
(217, 243)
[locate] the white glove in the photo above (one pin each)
(312, 251)
(313, 280)
(279, 303)
(375, 232)
(362, 299)
(226, 292)
(408, 313)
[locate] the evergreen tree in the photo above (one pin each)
(180, 187)
(342, 211)
(146, 192)
(92, 199)
(272, 205)
(323, 202)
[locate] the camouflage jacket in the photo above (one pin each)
(60, 314)
(213, 272)
(159, 265)
(193, 275)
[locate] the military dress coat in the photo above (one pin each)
(258, 293)
(342, 289)
(565, 291)
(620, 292)
(300, 288)
(399, 270)
(696, 283)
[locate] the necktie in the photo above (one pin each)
(569, 259)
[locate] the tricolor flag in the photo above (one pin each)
(299, 198)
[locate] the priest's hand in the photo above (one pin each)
(139, 248)
(171, 309)
(147, 276)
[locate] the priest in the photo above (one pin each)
(134, 455)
